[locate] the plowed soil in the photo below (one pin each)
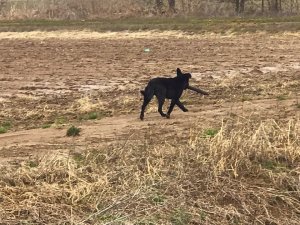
(52, 81)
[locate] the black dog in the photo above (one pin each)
(170, 88)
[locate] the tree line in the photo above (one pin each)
(273, 6)
(92, 9)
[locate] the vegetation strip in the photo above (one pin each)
(189, 24)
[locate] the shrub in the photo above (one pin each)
(73, 131)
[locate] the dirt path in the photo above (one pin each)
(20, 145)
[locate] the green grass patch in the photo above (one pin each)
(73, 131)
(106, 218)
(33, 164)
(246, 98)
(210, 132)
(5, 126)
(145, 222)
(275, 166)
(281, 97)
(3, 130)
(180, 217)
(78, 157)
(92, 115)
(46, 125)
(193, 24)
(61, 120)
(157, 199)
(270, 165)
(203, 215)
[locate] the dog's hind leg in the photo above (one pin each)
(181, 106)
(147, 98)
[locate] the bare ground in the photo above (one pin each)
(43, 80)
(49, 81)
(58, 80)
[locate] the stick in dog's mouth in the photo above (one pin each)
(197, 90)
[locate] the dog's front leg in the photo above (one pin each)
(181, 106)
(161, 100)
(173, 102)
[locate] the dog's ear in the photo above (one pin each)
(178, 72)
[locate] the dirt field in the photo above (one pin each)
(57, 80)
(49, 81)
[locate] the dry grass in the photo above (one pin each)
(124, 35)
(248, 173)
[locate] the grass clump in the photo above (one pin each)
(157, 199)
(61, 120)
(210, 132)
(46, 125)
(92, 116)
(33, 164)
(3, 130)
(78, 157)
(5, 126)
(246, 98)
(270, 165)
(281, 97)
(180, 217)
(73, 131)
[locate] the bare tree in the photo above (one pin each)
(275, 6)
(2, 4)
(239, 6)
(159, 5)
(294, 6)
(172, 5)
(280, 5)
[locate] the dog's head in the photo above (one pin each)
(185, 76)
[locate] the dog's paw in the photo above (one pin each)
(141, 117)
(163, 115)
(168, 116)
(185, 110)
